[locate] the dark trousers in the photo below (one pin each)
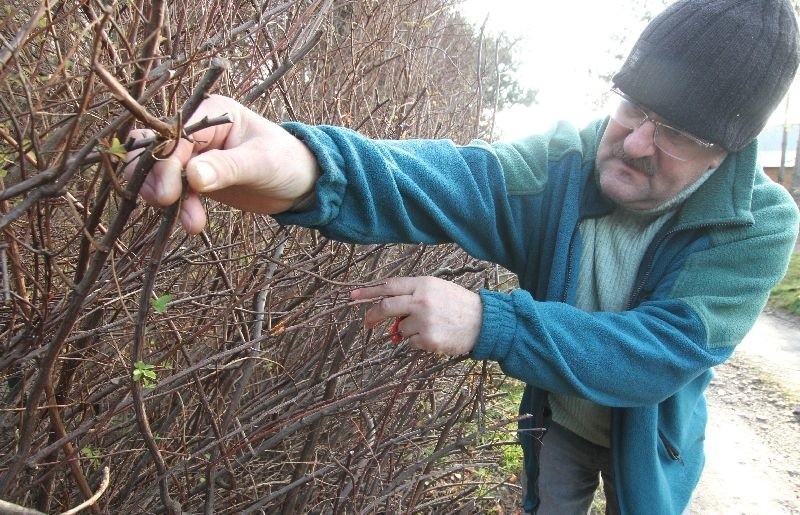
(570, 469)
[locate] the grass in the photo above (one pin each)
(498, 495)
(510, 461)
(786, 295)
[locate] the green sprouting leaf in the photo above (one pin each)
(42, 22)
(141, 365)
(144, 373)
(93, 455)
(160, 304)
(117, 149)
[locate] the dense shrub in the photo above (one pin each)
(225, 372)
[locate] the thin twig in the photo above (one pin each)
(165, 129)
(4, 271)
(104, 482)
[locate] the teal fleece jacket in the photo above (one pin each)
(700, 287)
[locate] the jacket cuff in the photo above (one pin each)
(498, 327)
(322, 205)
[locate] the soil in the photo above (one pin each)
(753, 436)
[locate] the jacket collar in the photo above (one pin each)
(726, 197)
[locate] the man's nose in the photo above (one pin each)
(640, 142)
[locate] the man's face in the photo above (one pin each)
(637, 175)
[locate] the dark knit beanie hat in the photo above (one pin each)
(715, 68)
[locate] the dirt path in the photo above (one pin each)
(753, 437)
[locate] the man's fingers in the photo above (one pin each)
(396, 296)
(219, 169)
(388, 307)
(434, 314)
(391, 287)
(164, 185)
(133, 156)
(193, 215)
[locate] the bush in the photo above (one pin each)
(226, 372)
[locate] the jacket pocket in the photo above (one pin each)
(673, 453)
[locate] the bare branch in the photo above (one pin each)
(136, 109)
(91, 501)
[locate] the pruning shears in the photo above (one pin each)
(395, 336)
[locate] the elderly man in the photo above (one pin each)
(645, 244)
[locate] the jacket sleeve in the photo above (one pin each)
(410, 191)
(633, 358)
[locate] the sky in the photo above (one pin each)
(566, 43)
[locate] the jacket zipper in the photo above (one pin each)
(570, 260)
(672, 452)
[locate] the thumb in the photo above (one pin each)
(216, 170)
(202, 175)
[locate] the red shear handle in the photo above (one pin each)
(394, 333)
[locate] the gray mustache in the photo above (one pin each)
(642, 164)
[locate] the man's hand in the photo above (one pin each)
(251, 164)
(437, 315)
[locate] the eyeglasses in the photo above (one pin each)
(674, 142)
